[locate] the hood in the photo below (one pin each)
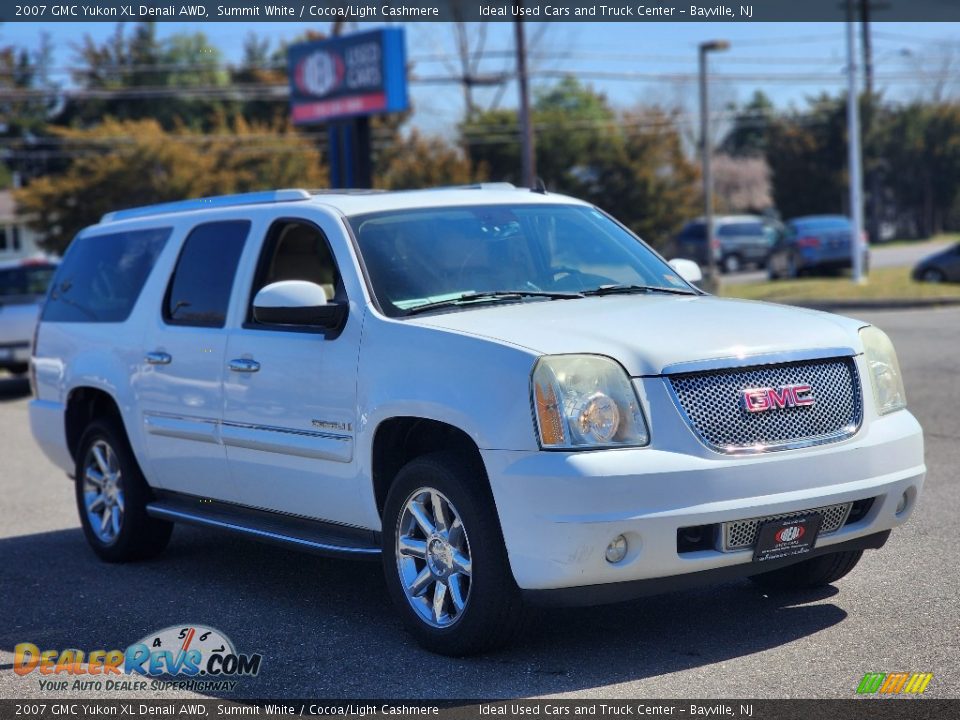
(646, 333)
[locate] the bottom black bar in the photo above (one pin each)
(861, 708)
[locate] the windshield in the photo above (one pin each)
(427, 256)
(24, 283)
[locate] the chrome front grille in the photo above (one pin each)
(712, 403)
(742, 534)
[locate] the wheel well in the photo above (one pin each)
(84, 405)
(399, 440)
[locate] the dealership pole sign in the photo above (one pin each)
(348, 77)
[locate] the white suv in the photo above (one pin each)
(503, 395)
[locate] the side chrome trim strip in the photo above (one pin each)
(304, 443)
(184, 428)
(735, 361)
(266, 438)
(178, 515)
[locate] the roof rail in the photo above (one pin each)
(218, 201)
(478, 186)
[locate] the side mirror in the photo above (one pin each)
(687, 269)
(297, 302)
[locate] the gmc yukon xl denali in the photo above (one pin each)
(503, 395)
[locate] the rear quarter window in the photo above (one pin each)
(101, 277)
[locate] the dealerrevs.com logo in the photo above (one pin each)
(196, 657)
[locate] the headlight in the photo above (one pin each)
(586, 401)
(885, 376)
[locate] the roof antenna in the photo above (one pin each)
(539, 186)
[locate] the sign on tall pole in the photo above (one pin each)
(340, 83)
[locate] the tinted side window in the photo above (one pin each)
(26, 282)
(200, 287)
(101, 276)
(735, 229)
(694, 231)
(296, 250)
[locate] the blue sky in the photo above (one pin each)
(633, 63)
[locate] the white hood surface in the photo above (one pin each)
(646, 333)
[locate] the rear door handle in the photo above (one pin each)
(158, 358)
(245, 365)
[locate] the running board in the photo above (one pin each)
(281, 529)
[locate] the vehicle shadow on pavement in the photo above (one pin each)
(326, 628)
(13, 388)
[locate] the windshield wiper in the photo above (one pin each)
(492, 296)
(631, 289)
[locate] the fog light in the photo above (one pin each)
(617, 549)
(902, 505)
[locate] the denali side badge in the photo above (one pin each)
(786, 396)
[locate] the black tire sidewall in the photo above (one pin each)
(493, 609)
(816, 572)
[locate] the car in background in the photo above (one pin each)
(944, 266)
(23, 286)
(814, 244)
(739, 241)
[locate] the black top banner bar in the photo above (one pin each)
(380, 11)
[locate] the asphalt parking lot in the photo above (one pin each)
(326, 628)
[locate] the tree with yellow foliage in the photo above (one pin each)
(121, 164)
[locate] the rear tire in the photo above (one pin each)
(813, 573)
(459, 557)
(732, 264)
(112, 497)
(793, 268)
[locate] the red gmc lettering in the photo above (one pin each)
(761, 399)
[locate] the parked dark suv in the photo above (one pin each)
(739, 241)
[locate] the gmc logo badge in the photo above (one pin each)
(786, 396)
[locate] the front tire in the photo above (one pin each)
(813, 573)
(444, 559)
(932, 275)
(112, 497)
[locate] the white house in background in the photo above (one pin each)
(16, 239)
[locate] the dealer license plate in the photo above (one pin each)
(787, 537)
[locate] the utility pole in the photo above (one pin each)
(873, 177)
(527, 157)
(853, 133)
(706, 151)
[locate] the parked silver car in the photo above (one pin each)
(23, 285)
(739, 241)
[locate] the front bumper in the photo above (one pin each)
(559, 511)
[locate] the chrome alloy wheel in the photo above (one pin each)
(103, 491)
(433, 558)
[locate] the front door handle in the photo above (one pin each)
(245, 365)
(158, 358)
